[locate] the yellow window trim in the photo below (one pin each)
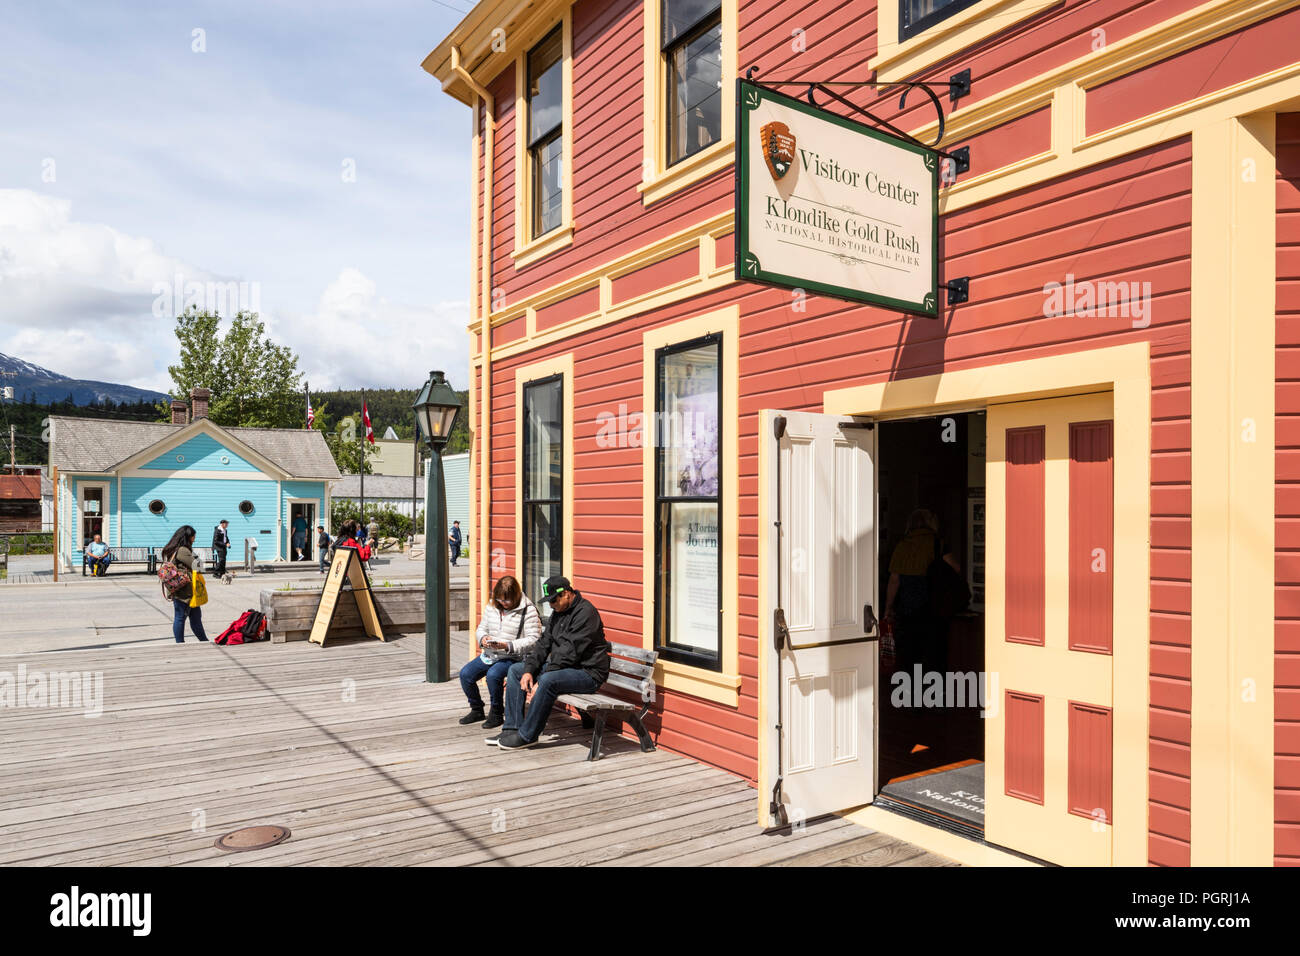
(660, 180)
(529, 248)
(721, 687)
(544, 245)
(896, 61)
(561, 365)
(1126, 371)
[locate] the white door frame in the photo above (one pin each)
(81, 485)
(288, 522)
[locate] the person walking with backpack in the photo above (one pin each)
(509, 626)
(179, 552)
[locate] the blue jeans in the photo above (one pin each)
(195, 615)
(550, 685)
(96, 564)
(475, 671)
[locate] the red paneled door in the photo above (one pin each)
(1048, 628)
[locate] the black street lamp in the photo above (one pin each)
(436, 408)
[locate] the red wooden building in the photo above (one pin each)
(1113, 415)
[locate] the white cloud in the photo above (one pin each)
(78, 298)
(358, 337)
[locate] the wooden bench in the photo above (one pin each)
(631, 669)
(145, 556)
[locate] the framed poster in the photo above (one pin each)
(828, 205)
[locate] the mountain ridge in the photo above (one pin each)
(30, 379)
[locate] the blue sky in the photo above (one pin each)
(128, 159)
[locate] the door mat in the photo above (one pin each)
(955, 792)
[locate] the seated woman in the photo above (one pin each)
(510, 624)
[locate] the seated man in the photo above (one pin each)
(98, 556)
(571, 657)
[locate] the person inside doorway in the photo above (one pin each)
(914, 604)
(299, 535)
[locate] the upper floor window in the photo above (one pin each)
(545, 99)
(917, 16)
(691, 41)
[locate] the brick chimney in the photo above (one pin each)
(199, 401)
(180, 412)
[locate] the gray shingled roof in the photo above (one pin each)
(377, 486)
(98, 445)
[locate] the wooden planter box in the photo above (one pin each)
(289, 614)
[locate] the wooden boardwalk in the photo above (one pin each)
(366, 764)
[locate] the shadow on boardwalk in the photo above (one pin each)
(366, 764)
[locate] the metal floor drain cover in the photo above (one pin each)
(252, 838)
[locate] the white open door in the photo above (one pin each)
(825, 670)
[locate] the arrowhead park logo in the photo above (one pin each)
(778, 148)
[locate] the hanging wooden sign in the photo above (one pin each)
(825, 204)
(346, 567)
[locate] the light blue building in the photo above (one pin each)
(137, 482)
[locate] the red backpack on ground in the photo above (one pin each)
(248, 627)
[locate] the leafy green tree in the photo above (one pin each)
(255, 383)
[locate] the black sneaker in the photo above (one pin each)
(495, 718)
(512, 741)
(473, 717)
(493, 741)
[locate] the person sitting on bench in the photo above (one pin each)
(98, 557)
(572, 657)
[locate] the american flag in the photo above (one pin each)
(311, 415)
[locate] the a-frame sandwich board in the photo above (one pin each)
(348, 567)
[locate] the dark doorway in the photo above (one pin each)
(931, 507)
(302, 518)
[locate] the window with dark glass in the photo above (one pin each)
(917, 16)
(545, 96)
(543, 484)
(688, 516)
(692, 47)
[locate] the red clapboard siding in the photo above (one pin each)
(1024, 758)
(1026, 587)
(1092, 514)
(1257, 49)
(1286, 648)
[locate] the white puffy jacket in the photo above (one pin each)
(504, 627)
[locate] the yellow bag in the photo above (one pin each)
(199, 591)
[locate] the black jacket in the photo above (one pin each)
(220, 539)
(573, 638)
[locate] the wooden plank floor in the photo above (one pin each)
(366, 764)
